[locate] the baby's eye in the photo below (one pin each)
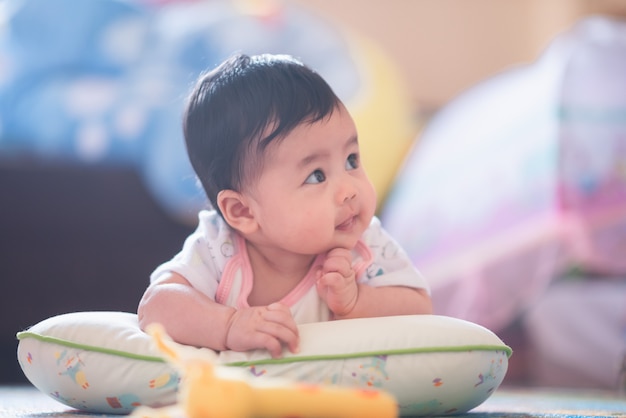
(317, 176)
(352, 162)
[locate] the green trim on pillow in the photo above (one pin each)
(28, 334)
(391, 352)
(284, 360)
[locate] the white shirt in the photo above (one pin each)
(214, 260)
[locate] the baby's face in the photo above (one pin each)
(313, 194)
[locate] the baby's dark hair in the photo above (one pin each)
(243, 105)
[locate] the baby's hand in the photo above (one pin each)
(266, 327)
(336, 283)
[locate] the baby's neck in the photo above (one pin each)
(275, 273)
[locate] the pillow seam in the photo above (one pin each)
(285, 360)
(66, 343)
(400, 351)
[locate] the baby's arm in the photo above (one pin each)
(346, 298)
(191, 318)
(387, 301)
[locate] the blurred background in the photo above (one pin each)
(494, 132)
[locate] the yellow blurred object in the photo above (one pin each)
(209, 391)
(384, 115)
(260, 8)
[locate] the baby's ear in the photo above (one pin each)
(236, 211)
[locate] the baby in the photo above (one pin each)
(292, 236)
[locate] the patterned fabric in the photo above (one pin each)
(520, 179)
(433, 365)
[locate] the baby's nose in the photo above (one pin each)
(346, 192)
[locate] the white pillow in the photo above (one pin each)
(102, 362)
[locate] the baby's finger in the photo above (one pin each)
(282, 333)
(281, 314)
(338, 264)
(251, 339)
(332, 281)
(340, 252)
(270, 343)
(277, 306)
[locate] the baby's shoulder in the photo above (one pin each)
(214, 239)
(214, 231)
(212, 225)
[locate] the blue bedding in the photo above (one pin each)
(104, 81)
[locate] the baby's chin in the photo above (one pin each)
(341, 239)
(345, 243)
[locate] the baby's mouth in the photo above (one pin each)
(347, 224)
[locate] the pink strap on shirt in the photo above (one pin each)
(366, 258)
(236, 262)
(241, 262)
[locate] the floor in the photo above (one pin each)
(27, 402)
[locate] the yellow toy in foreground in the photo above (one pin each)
(209, 391)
